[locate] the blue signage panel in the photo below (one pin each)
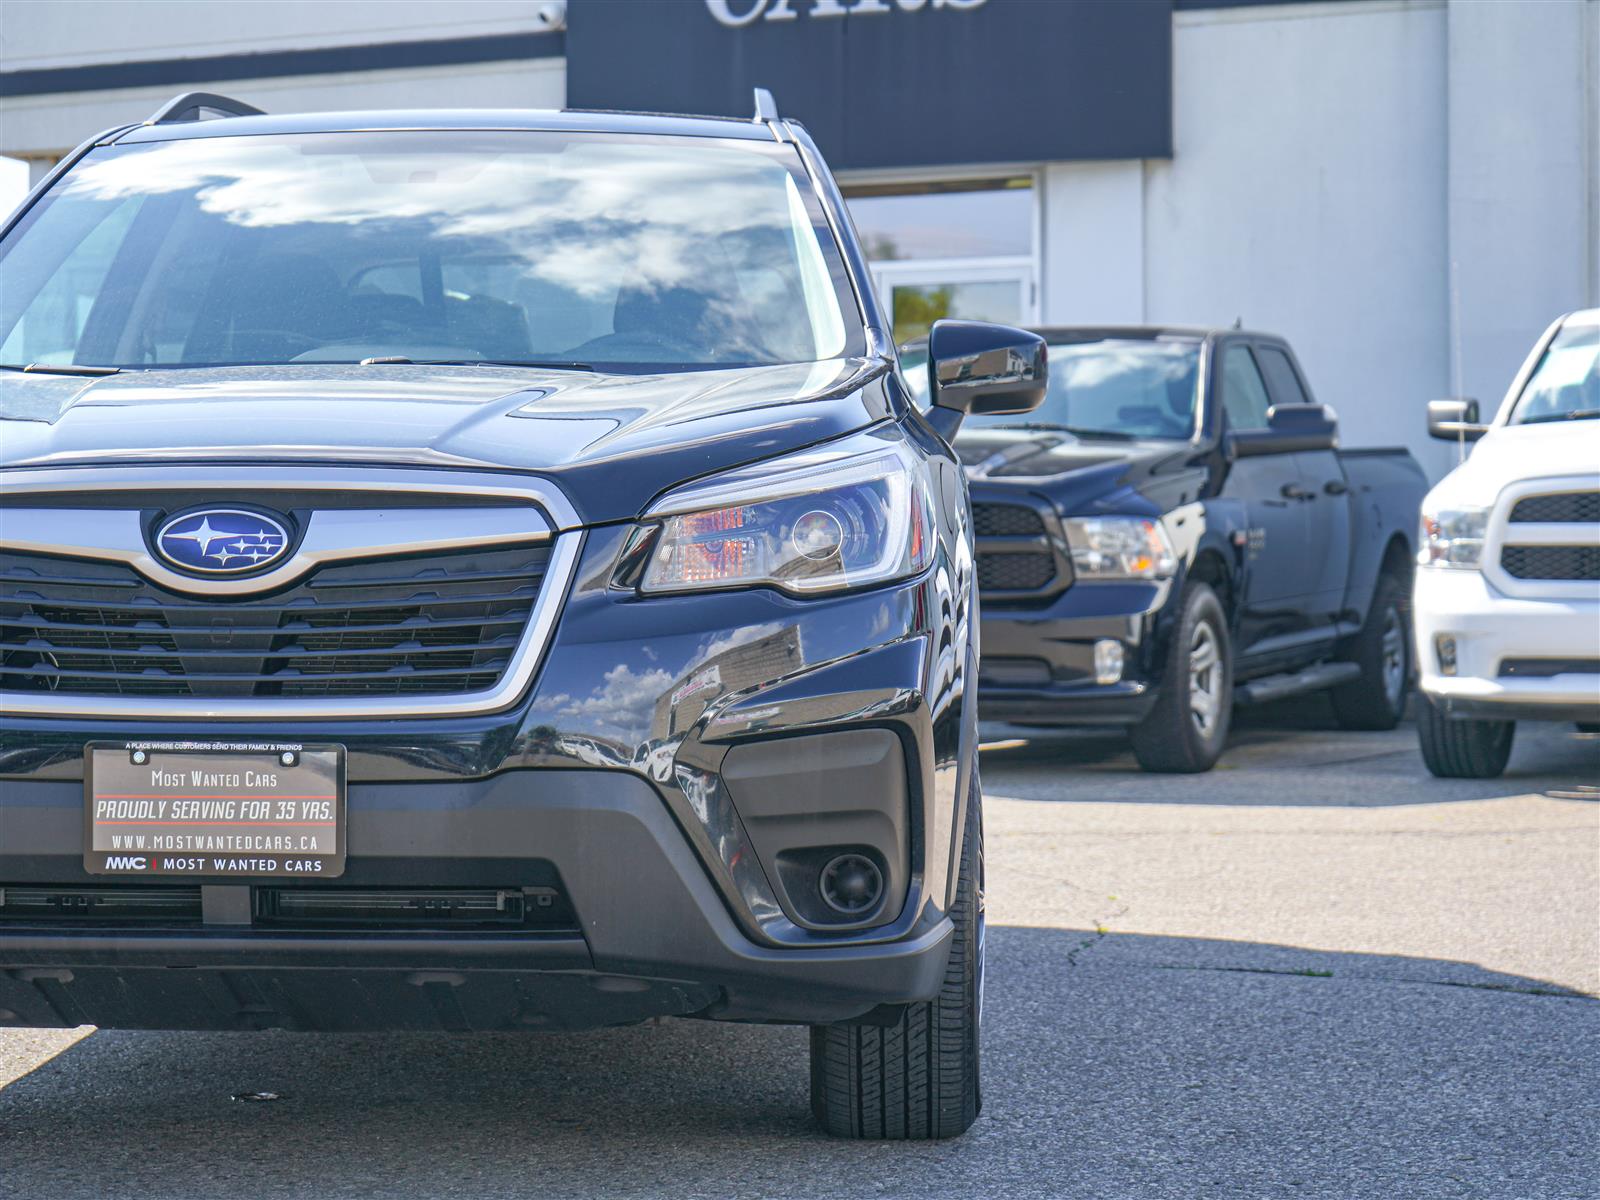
(895, 83)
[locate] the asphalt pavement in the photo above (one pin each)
(1313, 972)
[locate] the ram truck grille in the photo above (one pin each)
(1016, 557)
(1551, 562)
(434, 624)
(1559, 507)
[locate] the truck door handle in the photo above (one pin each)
(1336, 487)
(1293, 491)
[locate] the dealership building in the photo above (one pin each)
(1409, 190)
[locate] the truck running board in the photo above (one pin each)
(1293, 683)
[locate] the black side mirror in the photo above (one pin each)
(1290, 428)
(1455, 420)
(975, 368)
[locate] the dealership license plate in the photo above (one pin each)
(259, 809)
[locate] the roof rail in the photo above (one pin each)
(766, 107)
(190, 105)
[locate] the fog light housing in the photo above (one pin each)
(1445, 646)
(1107, 661)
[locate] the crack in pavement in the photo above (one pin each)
(1315, 973)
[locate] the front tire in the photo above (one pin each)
(915, 1080)
(1377, 698)
(1462, 749)
(1187, 728)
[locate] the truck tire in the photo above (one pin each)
(1185, 732)
(915, 1080)
(1456, 748)
(1376, 699)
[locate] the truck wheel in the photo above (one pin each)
(1376, 699)
(917, 1079)
(1186, 729)
(1454, 748)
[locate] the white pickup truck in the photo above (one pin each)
(1507, 597)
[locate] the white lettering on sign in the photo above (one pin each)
(736, 14)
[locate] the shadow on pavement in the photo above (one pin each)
(1115, 1065)
(1283, 754)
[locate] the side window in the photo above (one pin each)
(1244, 396)
(1282, 381)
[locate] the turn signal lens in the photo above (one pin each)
(1119, 548)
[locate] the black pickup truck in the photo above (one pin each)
(1175, 530)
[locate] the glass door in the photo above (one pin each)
(918, 294)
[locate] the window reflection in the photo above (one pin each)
(973, 219)
(506, 246)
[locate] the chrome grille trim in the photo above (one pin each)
(519, 672)
(332, 536)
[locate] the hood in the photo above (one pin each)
(612, 442)
(998, 453)
(1512, 453)
(1082, 474)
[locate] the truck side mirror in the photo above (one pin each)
(1455, 420)
(1290, 428)
(975, 369)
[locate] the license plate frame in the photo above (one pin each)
(213, 824)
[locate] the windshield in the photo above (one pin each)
(1565, 386)
(600, 249)
(1116, 387)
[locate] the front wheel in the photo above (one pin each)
(1186, 729)
(1454, 748)
(1376, 699)
(917, 1079)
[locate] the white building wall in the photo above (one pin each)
(1306, 196)
(1524, 136)
(37, 34)
(1092, 258)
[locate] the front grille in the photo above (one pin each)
(1005, 520)
(434, 624)
(1545, 668)
(1561, 507)
(1551, 562)
(42, 904)
(543, 908)
(534, 909)
(1015, 572)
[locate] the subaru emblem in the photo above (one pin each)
(222, 541)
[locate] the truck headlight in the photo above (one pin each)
(842, 516)
(1119, 548)
(1452, 537)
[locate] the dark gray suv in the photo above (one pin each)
(483, 570)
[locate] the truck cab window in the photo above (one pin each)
(1281, 377)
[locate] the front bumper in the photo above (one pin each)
(655, 937)
(1491, 631)
(1038, 665)
(639, 775)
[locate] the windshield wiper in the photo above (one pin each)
(1074, 430)
(1577, 414)
(402, 360)
(1034, 425)
(58, 369)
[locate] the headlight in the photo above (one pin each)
(1119, 548)
(844, 516)
(1452, 537)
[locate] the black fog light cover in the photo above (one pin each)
(851, 884)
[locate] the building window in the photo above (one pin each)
(963, 248)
